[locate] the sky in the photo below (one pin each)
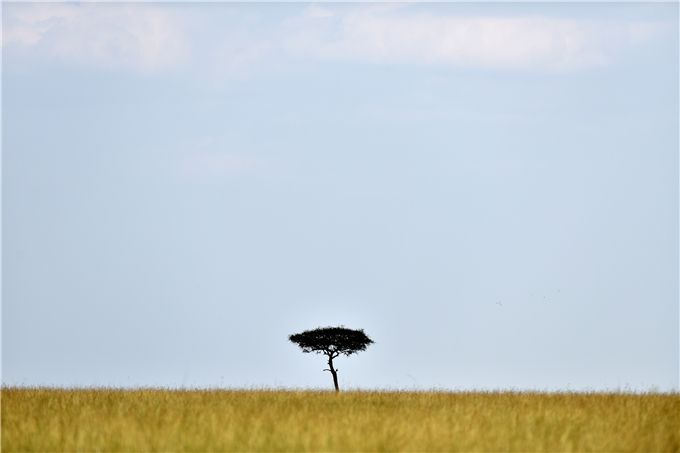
(489, 190)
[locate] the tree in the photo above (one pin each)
(332, 342)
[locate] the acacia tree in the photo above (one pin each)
(332, 341)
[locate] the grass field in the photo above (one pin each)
(51, 420)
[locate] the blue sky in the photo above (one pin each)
(489, 190)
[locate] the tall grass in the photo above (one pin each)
(41, 419)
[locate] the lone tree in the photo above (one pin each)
(332, 341)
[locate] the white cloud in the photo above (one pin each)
(151, 37)
(138, 37)
(395, 35)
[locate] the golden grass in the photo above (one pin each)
(160, 420)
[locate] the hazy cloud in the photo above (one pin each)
(214, 164)
(148, 37)
(206, 162)
(139, 37)
(396, 35)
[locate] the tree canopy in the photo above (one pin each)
(332, 340)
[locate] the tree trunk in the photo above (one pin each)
(334, 373)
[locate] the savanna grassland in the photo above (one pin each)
(158, 420)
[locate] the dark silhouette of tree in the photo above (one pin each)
(332, 342)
